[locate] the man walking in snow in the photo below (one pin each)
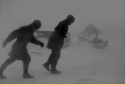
(56, 42)
(24, 35)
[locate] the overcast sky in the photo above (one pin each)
(104, 14)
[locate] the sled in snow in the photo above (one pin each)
(47, 34)
(96, 40)
(101, 44)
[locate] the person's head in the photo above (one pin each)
(70, 19)
(36, 24)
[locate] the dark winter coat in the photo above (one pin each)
(24, 35)
(56, 40)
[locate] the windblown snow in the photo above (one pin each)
(80, 63)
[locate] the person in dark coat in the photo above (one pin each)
(56, 42)
(24, 35)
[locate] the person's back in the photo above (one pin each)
(62, 29)
(58, 35)
(25, 36)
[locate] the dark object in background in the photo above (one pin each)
(47, 34)
(89, 31)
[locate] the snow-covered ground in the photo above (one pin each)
(80, 63)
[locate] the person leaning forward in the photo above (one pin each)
(24, 35)
(56, 42)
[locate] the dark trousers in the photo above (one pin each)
(11, 59)
(53, 58)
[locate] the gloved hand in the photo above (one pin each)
(41, 44)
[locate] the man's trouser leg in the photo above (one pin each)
(46, 65)
(26, 63)
(54, 61)
(5, 64)
(55, 58)
(52, 55)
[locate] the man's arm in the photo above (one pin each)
(14, 34)
(36, 42)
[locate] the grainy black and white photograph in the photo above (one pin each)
(62, 41)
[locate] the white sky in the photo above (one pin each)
(104, 14)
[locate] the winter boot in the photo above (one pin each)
(55, 72)
(46, 66)
(1, 75)
(27, 76)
